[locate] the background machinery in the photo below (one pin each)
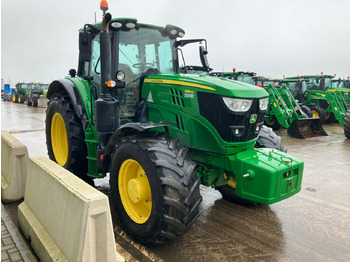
(283, 110)
(35, 91)
(20, 93)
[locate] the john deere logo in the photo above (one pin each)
(253, 118)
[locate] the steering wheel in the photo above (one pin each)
(143, 65)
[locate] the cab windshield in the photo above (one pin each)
(138, 51)
(145, 48)
(245, 78)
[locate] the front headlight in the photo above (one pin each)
(263, 103)
(237, 105)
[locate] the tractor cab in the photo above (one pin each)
(136, 54)
(297, 86)
(241, 76)
(318, 82)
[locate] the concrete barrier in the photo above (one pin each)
(42, 102)
(64, 218)
(14, 162)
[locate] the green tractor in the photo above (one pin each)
(283, 110)
(326, 101)
(340, 83)
(35, 91)
(20, 93)
(128, 111)
(241, 76)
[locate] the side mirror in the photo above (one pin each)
(203, 56)
(85, 41)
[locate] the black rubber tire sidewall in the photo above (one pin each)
(77, 150)
(347, 125)
(54, 107)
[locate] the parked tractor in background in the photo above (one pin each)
(283, 110)
(341, 83)
(160, 134)
(35, 91)
(317, 92)
(20, 93)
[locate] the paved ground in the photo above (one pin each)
(311, 226)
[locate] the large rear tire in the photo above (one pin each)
(154, 188)
(65, 137)
(347, 124)
(14, 97)
(35, 102)
(28, 101)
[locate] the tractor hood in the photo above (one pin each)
(210, 84)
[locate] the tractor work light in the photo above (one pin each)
(173, 31)
(237, 105)
(120, 75)
(263, 103)
(124, 24)
(130, 25)
(116, 25)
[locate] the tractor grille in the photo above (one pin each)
(232, 126)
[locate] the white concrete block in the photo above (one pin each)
(65, 218)
(14, 163)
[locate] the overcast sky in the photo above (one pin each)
(39, 38)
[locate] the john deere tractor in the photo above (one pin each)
(283, 109)
(20, 93)
(35, 91)
(127, 111)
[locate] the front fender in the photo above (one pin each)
(127, 130)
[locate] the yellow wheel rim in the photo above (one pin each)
(328, 116)
(135, 191)
(19, 99)
(271, 122)
(14, 97)
(315, 114)
(59, 139)
(231, 182)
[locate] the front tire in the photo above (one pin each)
(318, 112)
(273, 123)
(347, 124)
(268, 139)
(228, 193)
(154, 188)
(65, 137)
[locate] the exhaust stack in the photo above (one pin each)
(106, 107)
